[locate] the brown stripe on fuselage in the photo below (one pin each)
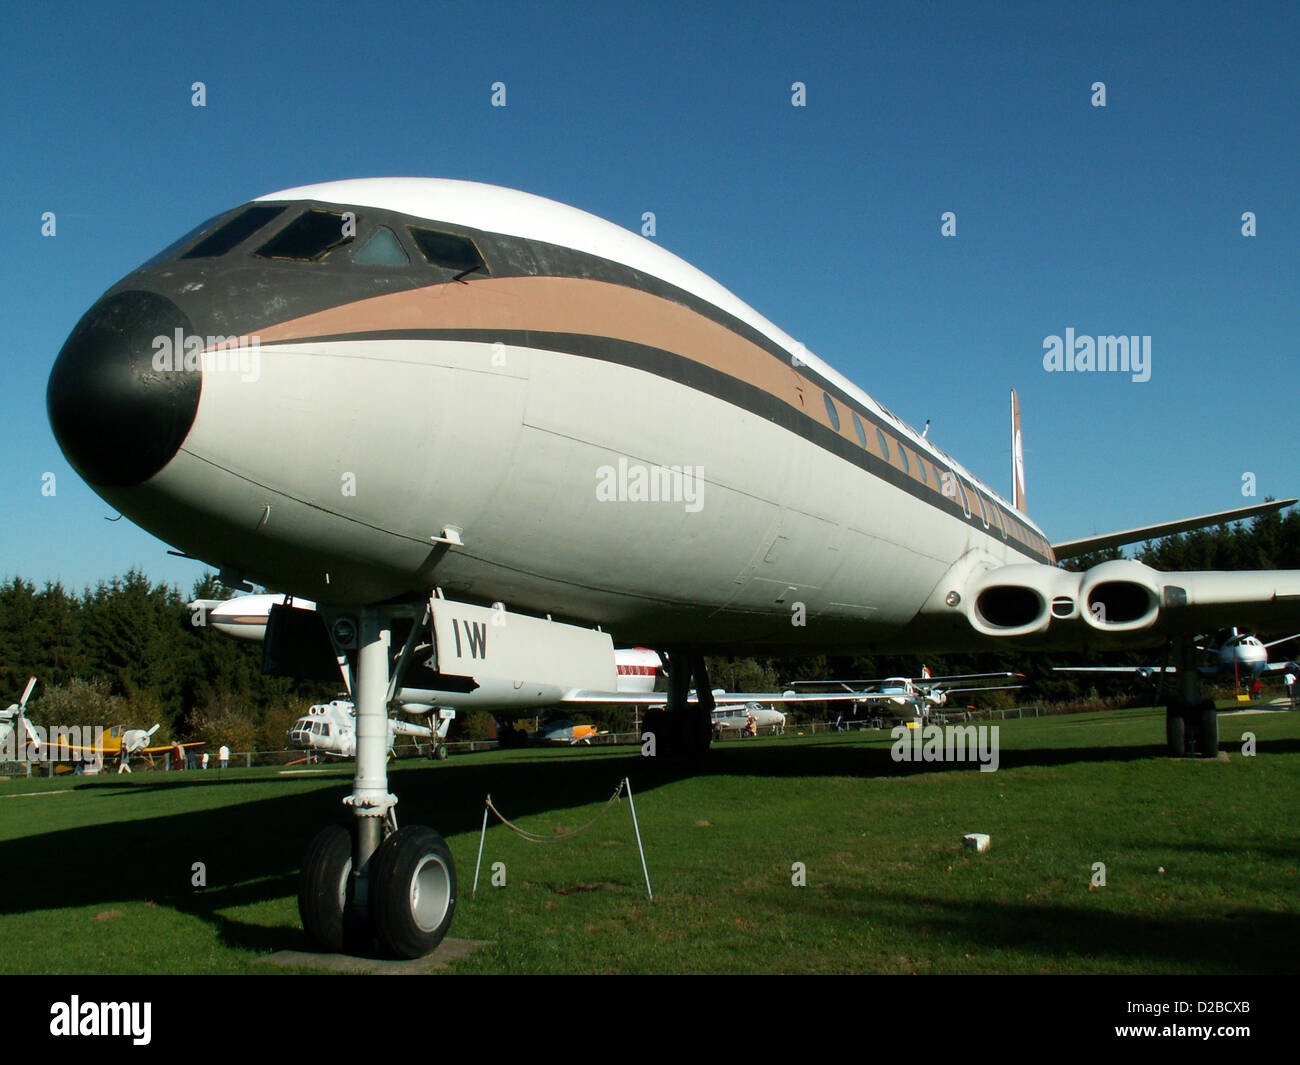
(570, 305)
(547, 304)
(561, 305)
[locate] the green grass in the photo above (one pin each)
(97, 872)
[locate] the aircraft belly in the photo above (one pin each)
(751, 546)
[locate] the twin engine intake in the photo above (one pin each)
(1025, 600)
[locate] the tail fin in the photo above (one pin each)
(1017, 457)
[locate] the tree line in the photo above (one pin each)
(126, 652)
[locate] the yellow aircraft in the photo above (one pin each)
(121, 744)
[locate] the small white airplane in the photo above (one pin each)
(912, 698)
(331, 728)
(451, 348)
(12, 741)
(1240, 654)
(747, 718)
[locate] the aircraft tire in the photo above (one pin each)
(440, 753)
(1206, 718)
(322, 887)
(412, 891)
(1176, 731)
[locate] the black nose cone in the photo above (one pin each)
(120, 399)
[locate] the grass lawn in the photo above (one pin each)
(98, 871)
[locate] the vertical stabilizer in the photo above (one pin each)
(1017, 457)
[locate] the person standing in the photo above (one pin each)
(1289, 681)
(223, 756)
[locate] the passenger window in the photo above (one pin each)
(884, 443)
(857, 426)
(831, 412)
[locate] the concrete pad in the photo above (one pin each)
(449, 950)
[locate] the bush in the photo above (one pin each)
(220, 723)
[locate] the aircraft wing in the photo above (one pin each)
(1280, 667)
(1208, 598)
(984, 688)
(917, 682)
(1274, 643)
(1073, 548)
(581, 695)
(1145, 671)
(167, 747)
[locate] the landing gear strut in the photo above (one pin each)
(376, 883)
(683, 729)
(1191, 722)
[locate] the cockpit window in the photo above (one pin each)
(234, 232)
(382, 249)
(189, 238)
(451, 250)
(307, 238)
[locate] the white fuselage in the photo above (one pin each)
(738, 717)
(505, 436)
(331, 728)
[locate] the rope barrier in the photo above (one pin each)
(558, 837)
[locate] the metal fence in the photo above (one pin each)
(292, 758)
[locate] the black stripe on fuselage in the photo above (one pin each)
(686, 371)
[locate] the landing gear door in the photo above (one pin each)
(516, 651)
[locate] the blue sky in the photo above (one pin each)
(826, 219)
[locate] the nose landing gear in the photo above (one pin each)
(376, 888)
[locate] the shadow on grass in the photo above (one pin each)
(1241, 941)
(252, 847)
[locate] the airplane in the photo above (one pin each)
(119, 740)
(110, 744)
(908, 698)
(330, 728)
(747, 718)
(1241, 653)
(11, 719)
(566, 732)
(392, 397)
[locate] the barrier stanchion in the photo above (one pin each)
(637, 828)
